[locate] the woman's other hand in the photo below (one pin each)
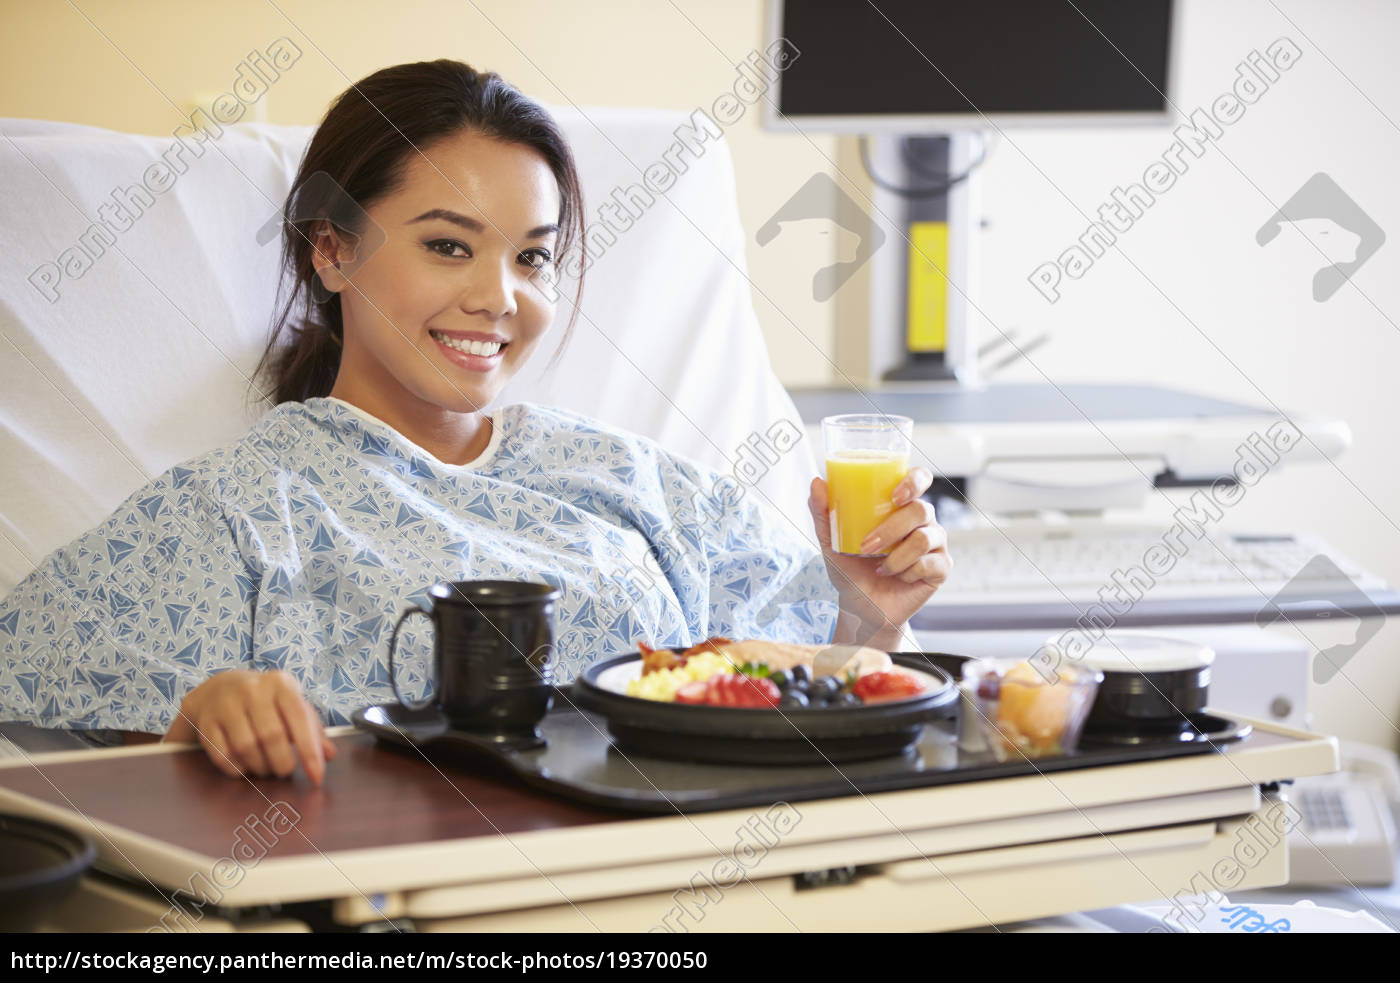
(254, 723)
(879, 594)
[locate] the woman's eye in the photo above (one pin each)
(450, 244)
(544, 260)
(446, 247)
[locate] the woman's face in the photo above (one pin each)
(465, 232)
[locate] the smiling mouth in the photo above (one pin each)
(482, 348)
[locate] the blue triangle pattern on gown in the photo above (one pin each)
(300, 553)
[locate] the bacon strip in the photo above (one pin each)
(655, 660)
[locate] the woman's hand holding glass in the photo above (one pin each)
(879, 594)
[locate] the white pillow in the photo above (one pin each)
(128, 363)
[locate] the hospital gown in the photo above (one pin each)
(298, 546)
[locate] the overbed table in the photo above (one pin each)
(392, 839)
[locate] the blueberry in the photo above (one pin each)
(828, 687)
(793, 700)
(849, 699)
(801, 674)
(989, 687)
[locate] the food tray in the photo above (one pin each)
(580, 760)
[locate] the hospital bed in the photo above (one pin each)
(125, 353)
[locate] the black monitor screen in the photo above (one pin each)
(926, 57)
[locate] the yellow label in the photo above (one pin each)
(928, 287)
(859, 486)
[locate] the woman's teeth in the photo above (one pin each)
(470, 347)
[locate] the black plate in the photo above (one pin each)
(40, 863)
(730, 735)
(1201, 728)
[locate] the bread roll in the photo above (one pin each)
(786, 655)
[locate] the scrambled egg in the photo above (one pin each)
(662, 684)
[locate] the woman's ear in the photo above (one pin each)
(327, 253)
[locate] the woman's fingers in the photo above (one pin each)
(273, 738)
(903, 521)
(931, 568)
(216, 745)
(919, 549)
(181, 729)
(254, 722)
(924, 539)
(912, 485)
(244, 731)
(305, 728)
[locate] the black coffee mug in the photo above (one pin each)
(493, 649)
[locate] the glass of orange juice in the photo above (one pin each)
(866, 456)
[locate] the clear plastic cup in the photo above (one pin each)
(1021, 713)
(867, 454)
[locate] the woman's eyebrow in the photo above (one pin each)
(467, 222)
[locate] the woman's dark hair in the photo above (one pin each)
(357, 156)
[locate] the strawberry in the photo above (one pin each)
(737, 690)
(696, 692)
(891, 684)
(730, 689)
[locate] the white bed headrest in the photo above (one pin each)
(127, 352)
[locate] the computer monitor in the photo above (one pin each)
(924, 79)
(935, 66)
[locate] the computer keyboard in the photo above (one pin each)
(1079, 563)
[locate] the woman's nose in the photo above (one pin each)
(490, 290)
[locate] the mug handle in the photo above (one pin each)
(393, 642)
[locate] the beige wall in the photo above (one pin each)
(133, 65)
(1187, 299)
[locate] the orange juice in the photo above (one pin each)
(859, 485)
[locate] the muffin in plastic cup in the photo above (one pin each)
(1025, 714)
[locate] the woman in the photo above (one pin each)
(244, 598)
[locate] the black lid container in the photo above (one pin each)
(1151, 683)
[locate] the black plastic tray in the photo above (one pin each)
(580, 761)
